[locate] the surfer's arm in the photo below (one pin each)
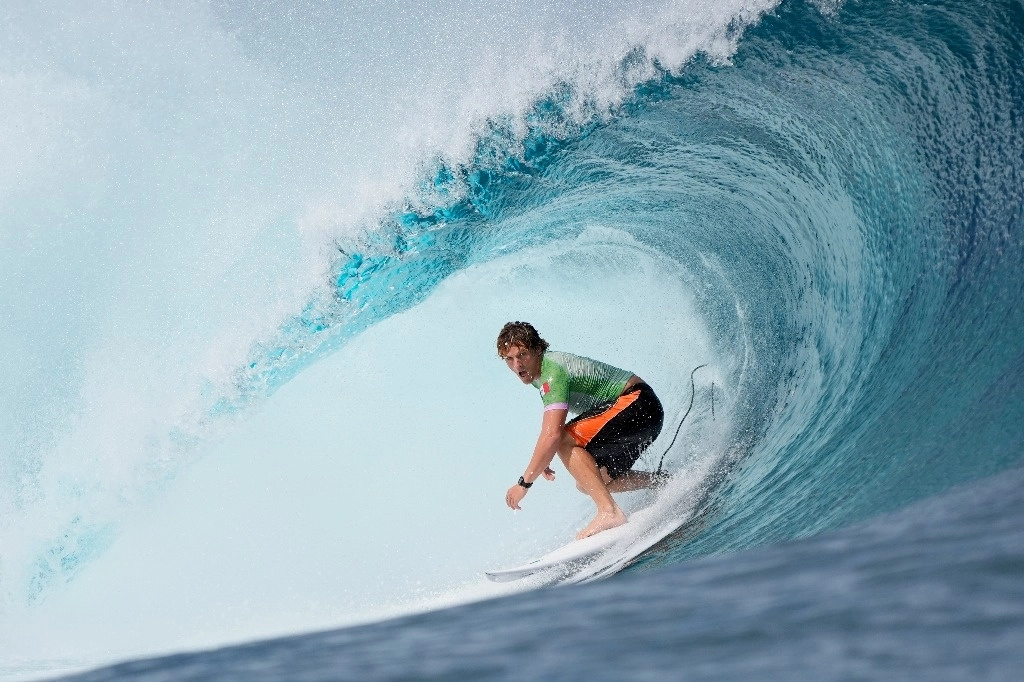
(552, 431)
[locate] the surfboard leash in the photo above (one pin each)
(693, 392)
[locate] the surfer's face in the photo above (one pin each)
(523, 362)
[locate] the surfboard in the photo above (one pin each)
(575, 552)
(579, 553)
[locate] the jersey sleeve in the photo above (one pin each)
(554, 388)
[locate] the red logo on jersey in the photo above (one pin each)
(545, 388)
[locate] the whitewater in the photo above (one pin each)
(255, 257)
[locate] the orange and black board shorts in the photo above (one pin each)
(617, 433)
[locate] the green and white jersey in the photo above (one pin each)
(574, 383)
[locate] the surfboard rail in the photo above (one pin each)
(574, 557)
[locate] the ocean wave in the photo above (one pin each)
(835, 187)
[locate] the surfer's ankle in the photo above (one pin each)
(603, 521)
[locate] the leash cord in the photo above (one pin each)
(693, 392)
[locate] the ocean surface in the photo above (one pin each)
(932, 592)
(255, 256)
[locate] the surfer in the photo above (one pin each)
(618, 417)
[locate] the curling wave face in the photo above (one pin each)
(824, 203)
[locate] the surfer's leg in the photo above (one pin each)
(635, 480)
(620, 442)
(582, 467)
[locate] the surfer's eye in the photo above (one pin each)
(521, 355)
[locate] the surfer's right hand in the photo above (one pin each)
(514, 496)
(549, 474)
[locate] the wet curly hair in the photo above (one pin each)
(521, 334)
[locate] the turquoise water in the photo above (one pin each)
(929, 592)
(219, 324)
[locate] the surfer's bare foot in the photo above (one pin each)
(603, 521)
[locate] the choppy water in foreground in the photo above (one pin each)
(931, 592)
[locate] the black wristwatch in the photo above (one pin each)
(522, 482)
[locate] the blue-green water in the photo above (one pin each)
(931, 592)
(840, 202)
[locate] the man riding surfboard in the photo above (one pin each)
(617, 417)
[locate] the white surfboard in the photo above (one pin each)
(579, 553)
(575, 552)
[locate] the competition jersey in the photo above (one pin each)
(574, 383)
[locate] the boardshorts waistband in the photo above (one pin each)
(617, 433)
